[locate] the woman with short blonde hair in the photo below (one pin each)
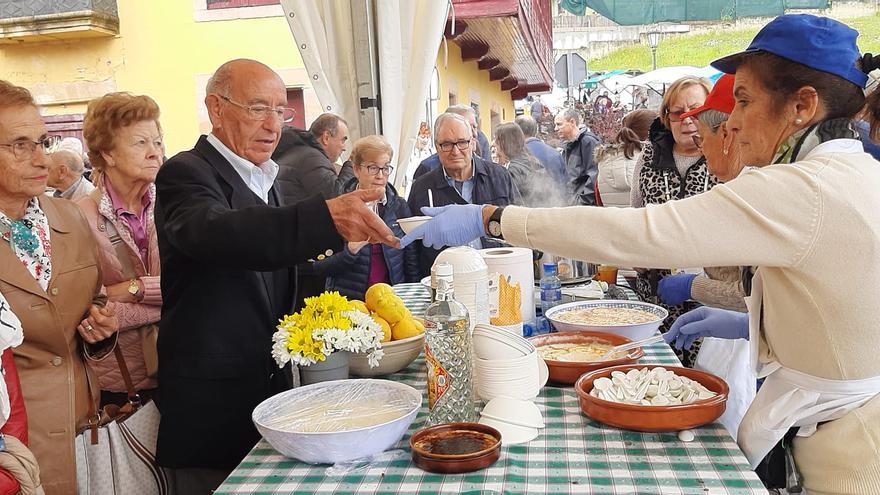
(671, 167)
(359, 265)
(125, 147)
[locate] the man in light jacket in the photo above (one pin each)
(66, 175)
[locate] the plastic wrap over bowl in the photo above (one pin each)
(631, 331)
(337, 421)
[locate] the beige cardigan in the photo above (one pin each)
(813, 229)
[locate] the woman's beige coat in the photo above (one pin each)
(50, 360)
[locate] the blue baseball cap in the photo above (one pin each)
(820, 43)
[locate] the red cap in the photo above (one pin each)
(720, 98)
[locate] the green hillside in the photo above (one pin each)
(700, 49)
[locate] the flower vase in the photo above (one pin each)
(335, 367)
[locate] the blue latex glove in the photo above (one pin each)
(675, 289)
(707, 322)
(452, 225)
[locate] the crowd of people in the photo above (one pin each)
(183, 265)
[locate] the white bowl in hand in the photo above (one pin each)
(410, 223)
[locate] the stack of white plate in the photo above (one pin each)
(506, 365)
(470, 279)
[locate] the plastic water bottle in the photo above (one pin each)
(551, 295)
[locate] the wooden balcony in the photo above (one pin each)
(511, 39)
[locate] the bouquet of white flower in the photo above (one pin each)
(326, 324)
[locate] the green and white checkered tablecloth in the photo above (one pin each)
(573, 454)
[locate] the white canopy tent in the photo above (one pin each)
(370, 61)
(668, 75)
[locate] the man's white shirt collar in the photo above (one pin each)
(258, 178)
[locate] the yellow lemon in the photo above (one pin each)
(360, 306)
(392, 309)
(375, 292)
(420, 324)
(406, 328)
(386, 328)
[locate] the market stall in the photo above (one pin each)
(573, 454)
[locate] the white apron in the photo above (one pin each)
(790, 398)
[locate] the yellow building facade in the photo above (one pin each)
(168, 49)
(463, 82)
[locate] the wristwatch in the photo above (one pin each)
(134, 289)
(494, 226)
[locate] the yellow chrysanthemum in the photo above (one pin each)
(338, 321)
(333, 303)
(300, 341)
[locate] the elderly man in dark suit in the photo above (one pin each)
(462, 178)
(226, 245)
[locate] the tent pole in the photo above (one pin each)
(366, 66)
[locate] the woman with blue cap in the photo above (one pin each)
(809, 220)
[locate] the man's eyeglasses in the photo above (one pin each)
(375, 169)
(24, 149)
(461, 145)
(263, 112)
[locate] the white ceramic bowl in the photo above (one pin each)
(511, 434)
(514, 411)
(408, 224)
(337, 446)
(398, 355)
(633, 332)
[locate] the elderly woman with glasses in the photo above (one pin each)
(719, 287)
(360, 265)
(671, 167)
(49, 273)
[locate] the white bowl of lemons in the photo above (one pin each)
(398, 355)
(404, 334)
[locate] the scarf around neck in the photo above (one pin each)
(801, 143)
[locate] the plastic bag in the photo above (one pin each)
(340, 406)
(373, 461)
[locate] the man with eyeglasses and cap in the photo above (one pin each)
(462, 178)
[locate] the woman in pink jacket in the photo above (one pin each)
(125, 147)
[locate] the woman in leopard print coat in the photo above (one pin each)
(671, 167)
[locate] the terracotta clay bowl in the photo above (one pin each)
(653, 418)
(569, 371)
(455, 447)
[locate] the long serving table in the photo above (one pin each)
(573, 454)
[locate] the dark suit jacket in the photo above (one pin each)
(493, 186)
(225, 283)
(304, 169)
